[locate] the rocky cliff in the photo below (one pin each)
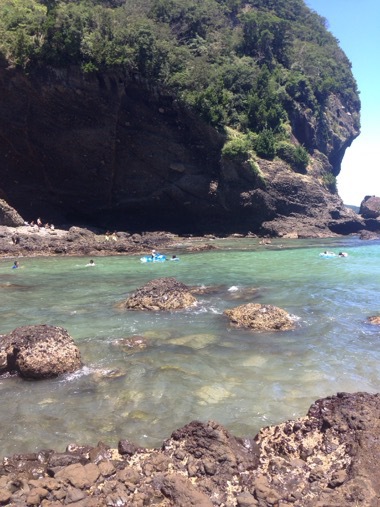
(112, 150)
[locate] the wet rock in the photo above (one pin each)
(260, 317)
(131, 344)
(161, 294)
(374, 320)
(39, 352)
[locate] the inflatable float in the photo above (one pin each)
(327, 255)
(156, 258)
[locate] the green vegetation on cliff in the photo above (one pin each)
(246, 64)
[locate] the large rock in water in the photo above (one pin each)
(38, 352)
(161, 294)
(260, 317)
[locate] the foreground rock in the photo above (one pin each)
(38, 352)
(327, 458)
(260, 317)
(161, 294)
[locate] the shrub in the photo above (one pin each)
(296, 156)
(257, 172)
(264, 144)
(329, 181)
(236, 148)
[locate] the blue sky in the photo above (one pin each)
(356, 25)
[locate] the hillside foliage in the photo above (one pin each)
(246, 64)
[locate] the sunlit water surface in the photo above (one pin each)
(196, 366)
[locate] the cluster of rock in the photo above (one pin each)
(327, 458)
(31, 241)
(169, 294)
(44, 351)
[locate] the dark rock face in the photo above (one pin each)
(161, 294)
(327, 458)
(38, 352)
(260, 317)
(114, 151)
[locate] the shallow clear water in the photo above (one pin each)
(196, 365)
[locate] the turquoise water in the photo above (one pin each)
(196, 366)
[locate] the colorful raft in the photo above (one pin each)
(155, 258)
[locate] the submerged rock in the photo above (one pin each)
(260, 317)
(131, 343)
(195, 341)
(161, 294)
(38, 352)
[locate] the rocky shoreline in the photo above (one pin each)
(21, 239)
(26, 241)
(327, 458)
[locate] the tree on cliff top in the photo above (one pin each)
(246, 64)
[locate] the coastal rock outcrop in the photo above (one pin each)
(370, 207)
(161, 294)
(32, 241)
(327, 458)
(38, 352)
(260, 317)
(9, 216)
